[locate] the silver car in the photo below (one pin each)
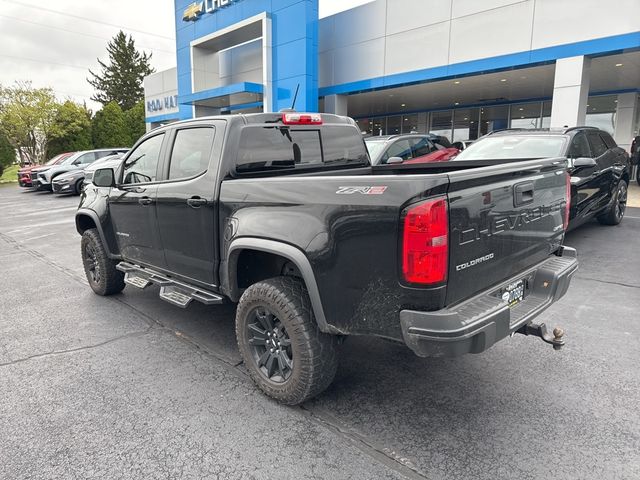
(78, 160)
(72, 182)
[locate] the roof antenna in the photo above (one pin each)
(295, 97)
(293, 105)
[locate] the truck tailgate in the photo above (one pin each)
(502, 221)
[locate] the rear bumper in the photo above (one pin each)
(477, 323)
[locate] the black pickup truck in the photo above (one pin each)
(283, 214)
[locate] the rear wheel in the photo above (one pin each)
(615, 213)
(286, 354)
(100, 270)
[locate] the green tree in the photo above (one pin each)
(120, 80)
(7, 153)
(135, 121)
(73, 130)
(109, 127)
(27, 119)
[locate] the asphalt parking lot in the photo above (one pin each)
(132, 387)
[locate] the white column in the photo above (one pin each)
(570, 92)
(626, 115)
(336, 104)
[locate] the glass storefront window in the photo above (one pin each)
(493, 118)
(546, 114)
(365, 125)
(394, 125)
(526, 115)
(601, 112)
(441, 124)
(409, 123)
(465, 124)
(379, 126)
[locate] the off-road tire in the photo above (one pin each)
(615, 213)
(314, 354)
(109, 280)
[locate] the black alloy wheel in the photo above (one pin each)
(284, 351)
(615, 212)
(270, 345)
(92, 266)
(621, 200)
(103, 276)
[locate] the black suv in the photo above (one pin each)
(599, 169)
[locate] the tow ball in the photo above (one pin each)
(542, 332)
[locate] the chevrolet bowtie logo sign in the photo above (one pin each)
(194, 11)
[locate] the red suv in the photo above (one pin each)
(24, 174)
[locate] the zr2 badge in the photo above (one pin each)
(363, 190)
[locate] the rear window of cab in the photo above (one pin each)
(265, 148)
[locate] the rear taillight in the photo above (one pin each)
(301, 119)
(567, 207)
(425, 242)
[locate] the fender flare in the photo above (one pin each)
(293, 254)
(94, 216)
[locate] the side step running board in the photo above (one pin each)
(173, 291)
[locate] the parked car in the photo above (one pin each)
(42, 177)
(409, 148)
(24, 174)
(598, 168)
(71, 182)
(283, 214)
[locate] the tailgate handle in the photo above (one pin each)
(523, 194)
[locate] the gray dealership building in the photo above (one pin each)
(459, 68)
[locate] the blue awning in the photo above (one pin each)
(225, 97)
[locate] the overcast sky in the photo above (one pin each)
(54, 43)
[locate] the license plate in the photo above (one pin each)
(513, 293)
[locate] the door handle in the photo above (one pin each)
(145, 201)
(196, 202)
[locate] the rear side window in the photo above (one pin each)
(191, 152)
(579, 147)
(422, 147)
(598, 147)
(277, 148)
(610, 142)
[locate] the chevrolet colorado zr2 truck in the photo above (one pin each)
(283, 214)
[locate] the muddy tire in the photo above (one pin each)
(286, 354)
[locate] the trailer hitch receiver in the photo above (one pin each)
(541, 331)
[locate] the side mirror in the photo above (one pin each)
(584, 162)
(394, 160)
(104, 177)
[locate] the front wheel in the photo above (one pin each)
(286, 354)
(77, 188)
(100, 270)
(615, 213)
